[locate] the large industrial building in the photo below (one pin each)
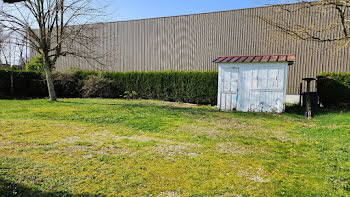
(192, 42)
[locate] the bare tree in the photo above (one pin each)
(2, 43)
(322, 21)
(54, 28)
(13, 50)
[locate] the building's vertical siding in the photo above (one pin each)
(191, 42)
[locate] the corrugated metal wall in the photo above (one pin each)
(192, 42)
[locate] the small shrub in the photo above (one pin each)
(36, 64)
(67, 84)
(98, 86)
(334, 89)
(130, 95)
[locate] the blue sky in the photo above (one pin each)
(139, 9)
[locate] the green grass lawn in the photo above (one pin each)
(94, 147)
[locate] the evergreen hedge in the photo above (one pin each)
(334, 88)
(189, 87)
(178, 86)
(4, 83)
(25, 84)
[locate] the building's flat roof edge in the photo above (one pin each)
(204, 13)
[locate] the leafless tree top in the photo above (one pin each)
(54, 26)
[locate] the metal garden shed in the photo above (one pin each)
(253, 83)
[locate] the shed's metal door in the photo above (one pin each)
(228, 88)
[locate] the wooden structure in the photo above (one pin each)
(253, 83)
(308, 112)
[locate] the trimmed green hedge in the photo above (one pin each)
(191, 87)
(334, 88)
(4, 83)
(25, 84)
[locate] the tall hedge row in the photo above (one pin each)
(4, 83)
(191, 87)
(334, 88)
(25, 84)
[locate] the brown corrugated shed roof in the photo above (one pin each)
(256, 58)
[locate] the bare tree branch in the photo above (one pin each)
(323, 21)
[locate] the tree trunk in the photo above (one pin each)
(49, 80)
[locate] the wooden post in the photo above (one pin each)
(308, 112)
(300, 94)
(308, 102)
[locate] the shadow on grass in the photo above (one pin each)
(21, 98)
(157, 106)
(202, 110)
(199, 110)
(293, 110)
(300, 110)
(8, 188)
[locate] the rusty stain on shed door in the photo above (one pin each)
(229, 88)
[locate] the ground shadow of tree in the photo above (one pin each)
(9, 189)
(184, 110)
(150, 106)
(295, 109)
(300, 110)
